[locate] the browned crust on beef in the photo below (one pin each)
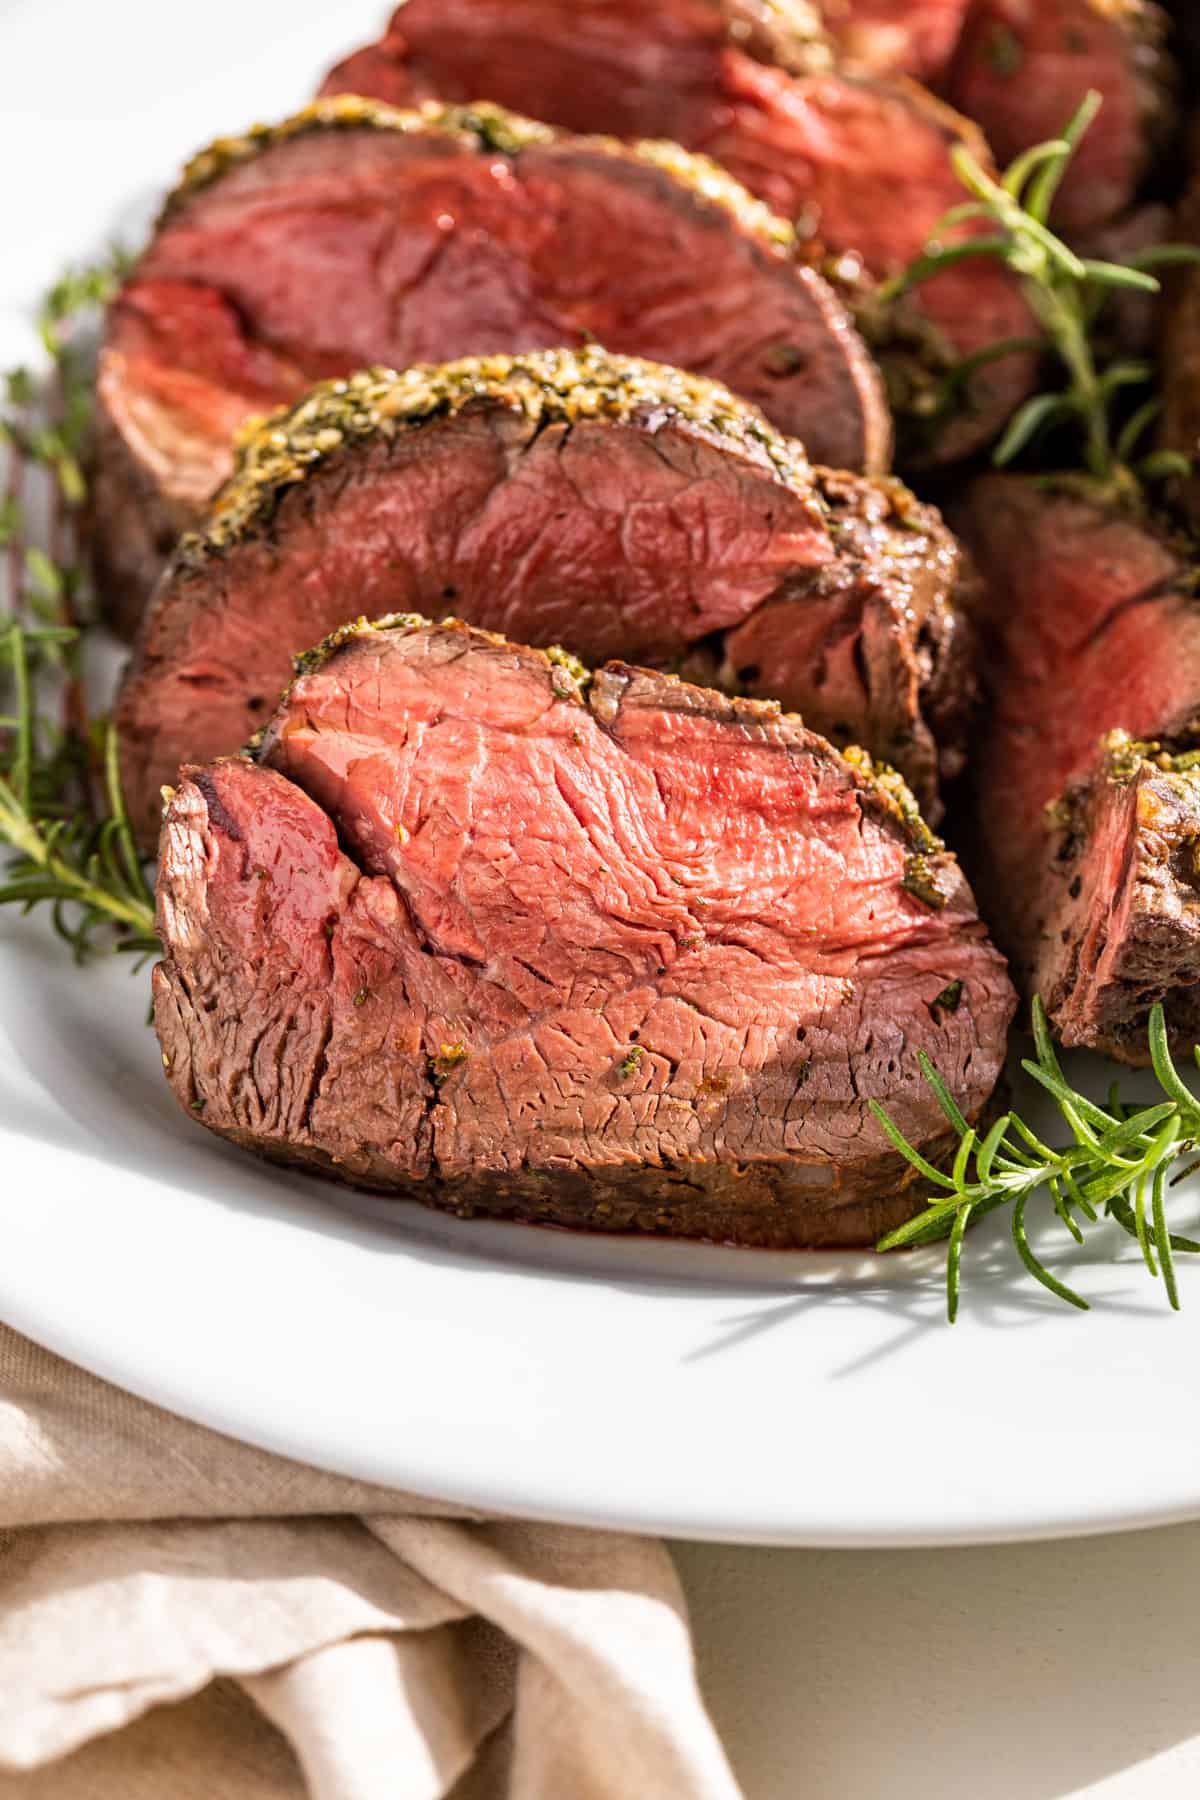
(485, 126)
(565, 386)
(896, 578)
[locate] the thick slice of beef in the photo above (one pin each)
(860, 163)
(1088, 823)
(356, 234)
(638, 71)
(613, 951)
(905, 37)
(614, 504)
(1023, 66)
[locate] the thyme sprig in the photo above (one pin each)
(1066, 294)
(1118, 1166)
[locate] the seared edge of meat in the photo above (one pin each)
(867, 632)
(1122, 927)
(485, 126)
(548, 385)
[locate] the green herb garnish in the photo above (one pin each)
(80, 858)
(61, 806)
(1066, 294)
(1117, 1166)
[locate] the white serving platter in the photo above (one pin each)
(771, 1398)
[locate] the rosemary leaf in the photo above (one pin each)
(990, 1145)
(1028, 422)
(907, 1151)
(1168, 1076)
(1162, 1237)
(954, 1261)
(1045, 185)
(1118, 1166)
(1035, 1266)
(945, 1098)
(1120, 275)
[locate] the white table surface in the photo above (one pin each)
(1028, 1672)
(1023, 1673)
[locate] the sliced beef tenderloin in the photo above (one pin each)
(613, 952)
(641, 70)
(356, 234)
(860, 163)
(619, 506)
(1022, 68)
(904, 37)
(1087, 821)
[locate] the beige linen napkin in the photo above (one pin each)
(185, 1618)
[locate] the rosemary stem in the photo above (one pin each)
(20, 831)
(131, 862)
(15, 557)
(1068, 333)
(22, 770)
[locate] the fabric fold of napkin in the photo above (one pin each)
(184, 1615)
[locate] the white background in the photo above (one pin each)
(1029, 1672)
(1018, 1673)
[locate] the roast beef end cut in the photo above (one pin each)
(1022, 69)
(613, 504)
(611, 951)
(355, 234)
(1123, 931)
(1090, 631)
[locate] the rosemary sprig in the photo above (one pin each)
(85, 867)
(1117, 1166)
(44, 424)
(1066, 294)
(61, 807)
